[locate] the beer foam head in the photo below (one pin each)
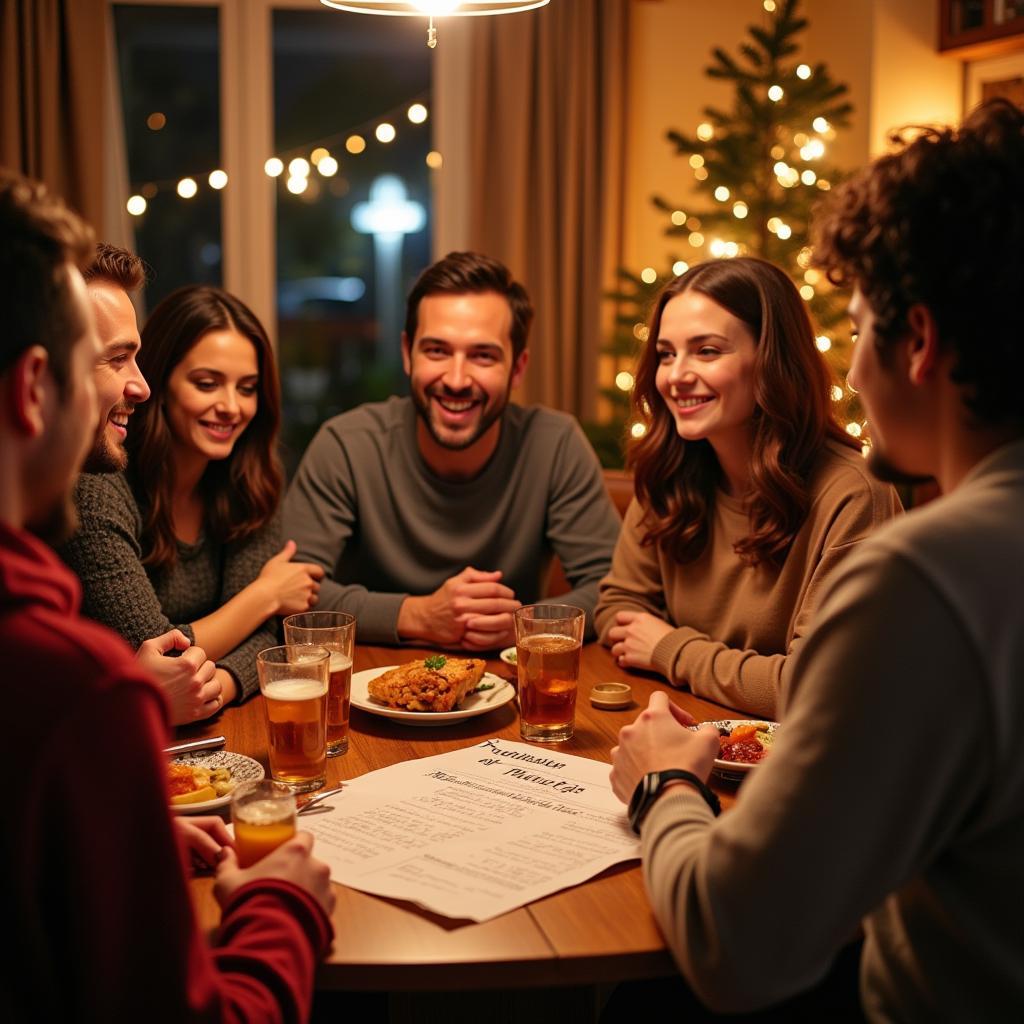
(294, 689)
(339, 662)
(265, 812)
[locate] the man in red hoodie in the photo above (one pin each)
(91, 866)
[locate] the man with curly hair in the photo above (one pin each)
(894, 796)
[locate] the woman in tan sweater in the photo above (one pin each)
(748, 493)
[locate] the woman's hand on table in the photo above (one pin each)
(634, 637)
(659, 740)
(204, 838)
(293, 862)
(294, 586)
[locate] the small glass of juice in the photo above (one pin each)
(263, 814)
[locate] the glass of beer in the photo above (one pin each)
(263, 814)
(549, 639)
(337, 632)
(293, 681)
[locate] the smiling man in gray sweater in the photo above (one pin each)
(436, 516)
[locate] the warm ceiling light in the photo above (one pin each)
(434, 9)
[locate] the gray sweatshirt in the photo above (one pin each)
(365, 506)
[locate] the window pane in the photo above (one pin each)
(341, 292)
(170, 95)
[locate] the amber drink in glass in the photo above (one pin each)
(549, 639)
(294, 682)
(263, 814)
(337, 632)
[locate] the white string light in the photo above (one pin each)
(299, 166)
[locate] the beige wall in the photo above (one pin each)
(910, 82)
(883, 49)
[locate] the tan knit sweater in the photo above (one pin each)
(738, 625)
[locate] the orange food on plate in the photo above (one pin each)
(437, 683)
(189, 784)
(181, 779)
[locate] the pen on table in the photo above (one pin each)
(210, 743)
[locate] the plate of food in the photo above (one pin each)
(205, 779)
(431, 691)
(742, 744)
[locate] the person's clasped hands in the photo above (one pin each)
(659, 740)
(472, 610)
(189, 681)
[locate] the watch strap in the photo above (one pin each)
(649, 788)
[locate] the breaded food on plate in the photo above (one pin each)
(437, 683)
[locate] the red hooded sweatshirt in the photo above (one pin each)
(96, 899)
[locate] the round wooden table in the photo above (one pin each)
(599, 932)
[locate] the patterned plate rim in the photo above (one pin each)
(243, 769)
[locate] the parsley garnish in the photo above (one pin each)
(435, 661)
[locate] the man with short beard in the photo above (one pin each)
(190, 681)
(436, 516)
(92, 877)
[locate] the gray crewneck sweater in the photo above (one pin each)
(365, 506)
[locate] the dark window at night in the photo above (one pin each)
(170, 97)
(341, 292)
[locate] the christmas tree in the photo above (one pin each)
(759, 168)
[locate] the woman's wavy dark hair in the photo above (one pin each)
(676, 480)
(240, 493)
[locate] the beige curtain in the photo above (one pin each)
(52, 66)
(545, 149)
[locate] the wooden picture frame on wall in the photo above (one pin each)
(978, 29)
(992, 77)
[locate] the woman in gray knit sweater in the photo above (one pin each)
(189, 536)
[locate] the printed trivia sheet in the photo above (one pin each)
(477, 832)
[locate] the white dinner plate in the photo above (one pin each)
(735, 770)
(473, 705)
(242, 768)
(509, 656)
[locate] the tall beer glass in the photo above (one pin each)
(549, 639)
(337, 632)
(293, 681)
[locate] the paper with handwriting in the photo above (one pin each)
(476, 832)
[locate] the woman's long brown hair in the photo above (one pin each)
(676, 480)
(240, 493)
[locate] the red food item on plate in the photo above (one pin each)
(745, 751)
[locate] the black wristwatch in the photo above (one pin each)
(649, 788)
